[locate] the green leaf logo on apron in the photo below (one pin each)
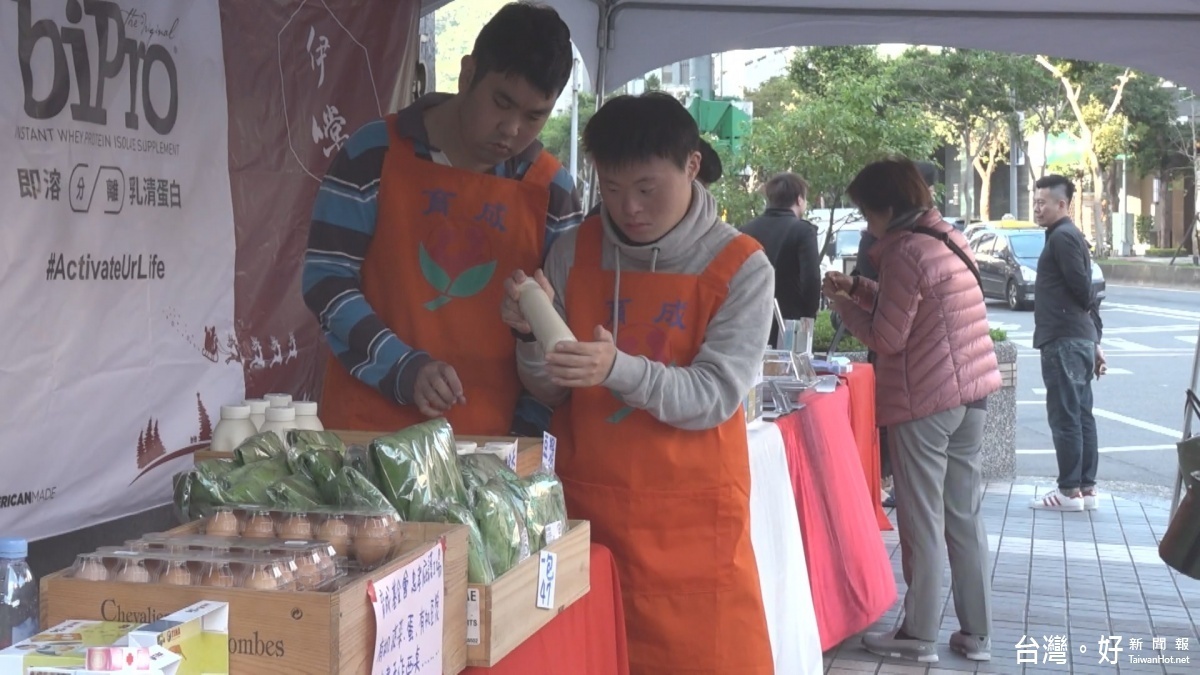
(456, 263)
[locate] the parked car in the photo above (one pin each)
(842, 252)
(1007, 259)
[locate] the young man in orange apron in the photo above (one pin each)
(672, 308)
(419, 219)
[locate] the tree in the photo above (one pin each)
(774, 96)
(1094, 93)
(457, 25)
(993, 143)
(205, 423)
(653, 83)
(828, 140)
(818, 71)
(556, 134)
(968, 92)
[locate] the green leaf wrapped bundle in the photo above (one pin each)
(295, 492)
(479, 568)
(306, 439)
(248, 484)
(259, 447)
(417, 466)
(545, 509)
(205, 487)
(501, 520)
(321, 466)
(352, 490)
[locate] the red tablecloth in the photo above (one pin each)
(848, 566)
(586, 639)
(861, 383)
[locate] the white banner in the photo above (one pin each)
(116, 255)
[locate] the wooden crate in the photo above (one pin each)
(529, 450)
(277, 632)
(506, 610)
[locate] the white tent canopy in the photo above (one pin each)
(623, 39)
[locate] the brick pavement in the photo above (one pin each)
(1082, 576)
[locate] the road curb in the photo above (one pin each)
(1152, 274)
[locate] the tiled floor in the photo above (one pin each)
(1078, 577)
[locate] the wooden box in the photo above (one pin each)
(504, 614)
(279, 632)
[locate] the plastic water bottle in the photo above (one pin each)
(18, 594)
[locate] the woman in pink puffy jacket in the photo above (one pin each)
(926, 320)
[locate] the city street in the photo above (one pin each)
(1149, 339)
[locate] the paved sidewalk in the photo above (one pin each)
(1071, 577)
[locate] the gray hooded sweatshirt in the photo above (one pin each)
(707, 392)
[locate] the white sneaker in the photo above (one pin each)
(1091, 500)
(1055, 500)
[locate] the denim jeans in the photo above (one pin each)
(1068, 365)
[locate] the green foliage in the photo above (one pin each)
(1160, 252)
(773, 97)
(1144, 227)
(998, 335)
(556, 135)
(820, 71)
(457, 25)
(653, 83)
(823, 336)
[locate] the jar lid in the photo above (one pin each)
(279, 400)
(13, 547)
(258, 406)
(305, 408)
(235, 412)
(281, 414)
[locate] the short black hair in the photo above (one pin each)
(631, 129)
(710, 164)
(1056, 182)
(785, 189)
(893, 183)
(526, 39)
(929, 172)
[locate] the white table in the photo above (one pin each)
(779, 551)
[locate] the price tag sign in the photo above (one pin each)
(549, 452)
(547, 573)
(473, 616)
(554, 531)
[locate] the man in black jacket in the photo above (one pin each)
(791, 245)
(1067, 329)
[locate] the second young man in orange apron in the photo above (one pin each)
(672, 308)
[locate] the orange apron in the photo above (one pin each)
(444, 242)
(673, 505)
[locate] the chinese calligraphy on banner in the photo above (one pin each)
(408, 608)
(116, 252)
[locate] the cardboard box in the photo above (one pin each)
(282, 632)
(65, 649)
(201, 632)
(504, 614)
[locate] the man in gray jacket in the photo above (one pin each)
(1067, 330)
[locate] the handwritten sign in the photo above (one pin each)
(549, 452)
(547, 572)
(409, 608)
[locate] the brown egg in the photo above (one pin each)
(373, 541)
(336, 531)
(262, 578)
(296, 526)
(287, 575)
(260, 526)
(133, 572)
(91, 569)
(218, 575)
(308, 573)
(223, 524)
(177, 574)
